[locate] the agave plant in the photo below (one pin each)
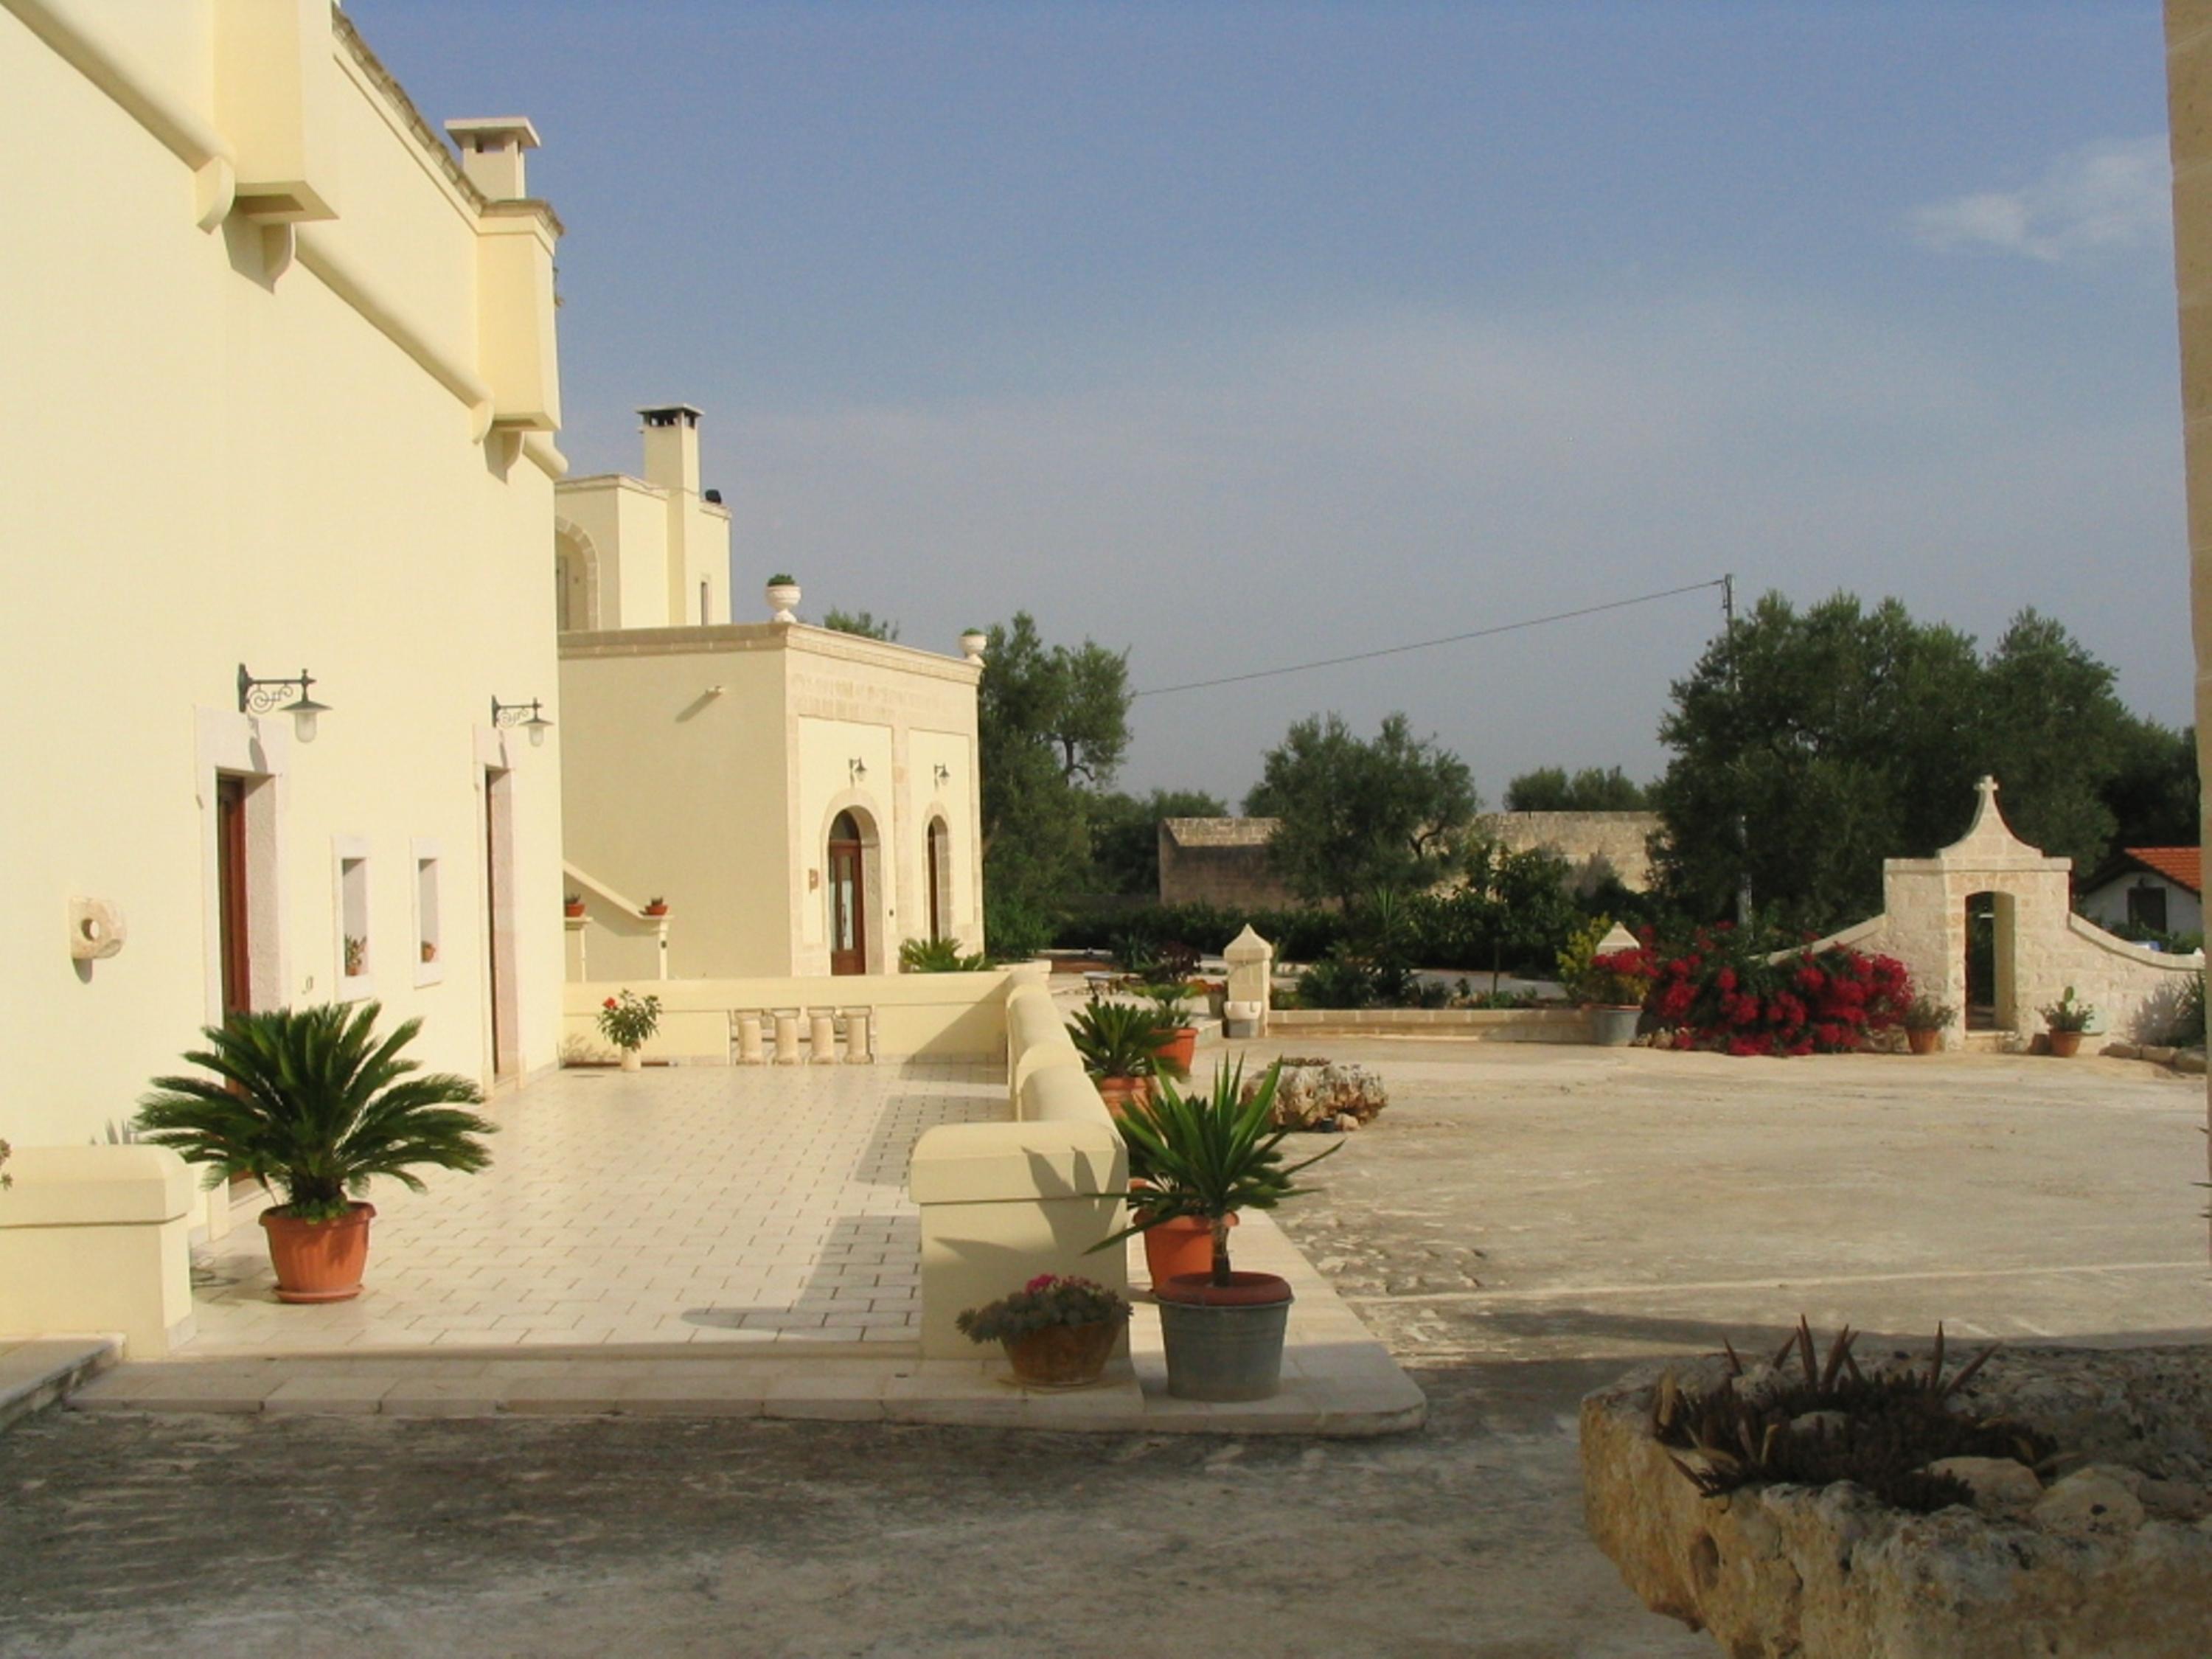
(1209, 1155)
(311, 1102)
(1121, 1039)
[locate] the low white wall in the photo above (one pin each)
(95, 1239)
(917, 1016)
(1003, 1202)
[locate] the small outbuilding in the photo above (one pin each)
(2158, 888)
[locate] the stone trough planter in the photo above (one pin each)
(2107, 1555)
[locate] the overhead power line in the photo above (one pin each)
(1430, 645)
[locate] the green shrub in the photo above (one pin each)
(1016, 931)
(937, 956)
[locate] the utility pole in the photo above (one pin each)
(1743, 833)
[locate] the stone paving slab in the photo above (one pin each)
(693, 1205)
(1338, 1380)
(35, 1372)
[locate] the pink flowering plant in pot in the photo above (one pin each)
(1057, 1331)
(628, 1021)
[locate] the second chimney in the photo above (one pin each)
(492, 148)
(671, 446)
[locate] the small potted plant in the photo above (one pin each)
(6, 1180)
(356, 955)
(628, 1021)
(574, 905)
(429, 949)
(782, 596)
(1924, 1021)
(1172, 1002)
(1208, 1155)
(312, 1101)
(656, 906)
(2068, 1019)
(1120, 1043)
(1058, 1332)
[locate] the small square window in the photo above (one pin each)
(357, 964)
(430, 962)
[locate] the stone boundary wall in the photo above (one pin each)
(1222, 862)
(1596, 844)
(1492, 1024)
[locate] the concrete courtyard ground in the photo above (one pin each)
(1520, 1225)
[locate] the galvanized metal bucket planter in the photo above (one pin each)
(1224, 1342)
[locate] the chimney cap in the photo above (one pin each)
(670, 415)
(488, 131)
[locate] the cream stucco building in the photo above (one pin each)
(280, 396)
(804, 800)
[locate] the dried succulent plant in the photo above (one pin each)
(1888, 1428)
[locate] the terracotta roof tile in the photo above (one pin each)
(2182, 865)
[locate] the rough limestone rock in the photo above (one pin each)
(1793, 1572)
(2001, 1486)
(1320, 1094)
(2090, 1501)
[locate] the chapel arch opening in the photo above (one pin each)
(1992, 951)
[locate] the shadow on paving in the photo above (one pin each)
(250, 1535)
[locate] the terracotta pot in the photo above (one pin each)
(572, 909)
(656, 910)
(319, 1260)
(631, 1061)
(1924, 1042)
(2065, 1045)
(1118, 1091)
(1181, 1049)
(1062, 1356)
(1181, 1246)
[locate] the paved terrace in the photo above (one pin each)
(701, 1241)
(680, 1205)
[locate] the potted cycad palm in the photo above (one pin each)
(1121, 1045)
(312, 1103)
(1208, 1156)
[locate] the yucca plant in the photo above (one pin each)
(1121, 1039)
(312, 1103)
(1209, 1154)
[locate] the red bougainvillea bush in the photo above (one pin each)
(1722, 993)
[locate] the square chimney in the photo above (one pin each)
(671, 446)
(492, 148)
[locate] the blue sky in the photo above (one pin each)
(1241, 335)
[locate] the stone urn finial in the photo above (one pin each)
(783, 598)
(972, 644)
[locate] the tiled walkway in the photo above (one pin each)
(690, 1205)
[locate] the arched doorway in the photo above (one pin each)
(938, 868)
(1992, 999)
(848, 898)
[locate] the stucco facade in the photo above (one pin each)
(280, 389)
(707, 767)
(643, 552)
(2155, 887)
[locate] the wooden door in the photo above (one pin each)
(849, 926)
(939, 865)
(232, 912)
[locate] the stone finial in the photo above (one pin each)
(1248, 946)
(1619, 938)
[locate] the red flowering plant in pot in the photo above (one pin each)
(1727, 993)
(1058, 1332)
(312, 1103)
